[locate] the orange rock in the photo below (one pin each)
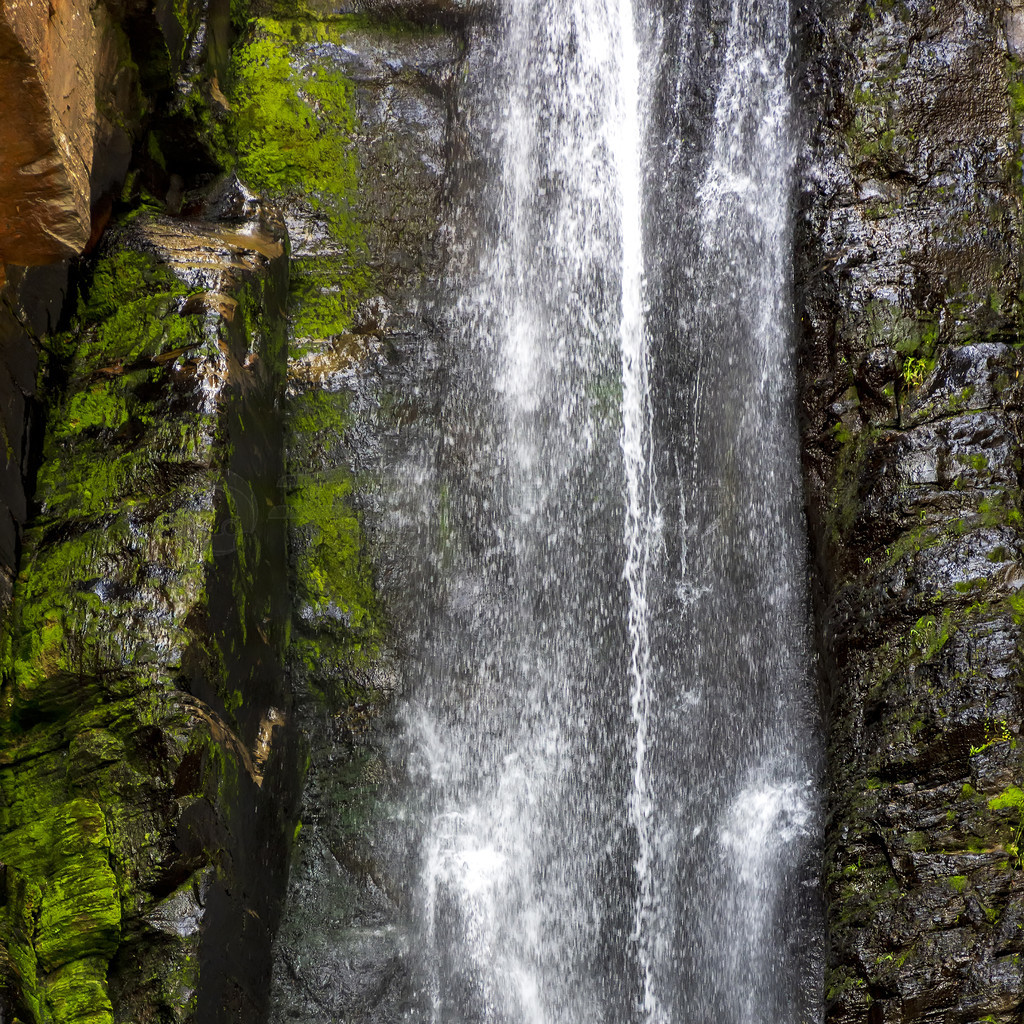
(47, 54)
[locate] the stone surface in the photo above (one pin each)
(909, 293)
(30, 306)
(454, 12)
(47, 49)
(366, 269)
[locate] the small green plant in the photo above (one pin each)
(995, 732)
(915, 369)
(1015, 848)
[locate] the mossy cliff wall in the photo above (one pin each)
(149, 763)
(148, 781)
(157, 672)
(374, 87)
(143, 684)
(910, 303)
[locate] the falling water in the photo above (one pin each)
(609, 740)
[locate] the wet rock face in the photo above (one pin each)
(46, 140)
(72, 105)
(909, 292)
(451, 9)
(366, 265)
(31, 305)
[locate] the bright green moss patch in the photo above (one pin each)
(295, 124)
(21, 900)
(66, 621)
(333, 573)
(78, 992)
(68, 892)
(126, 313)
(95, 479)
(120, 279)
(100, 407)
(958, 883)
(318, 421)
(294, 131)
(325, 292)
(1011, 797)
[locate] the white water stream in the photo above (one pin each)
(609, 739)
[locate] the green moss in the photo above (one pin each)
(999, 509)
(912, 541)
(333, 572)
(324, 293)
(1015, 90)
(210, 124)
(99, 407)
(917, 841)
(914, 335)
(110, 592)
(63, 853)
(958, 883)
(295, 135)
(294, 131)
(1010, 797)
(121, 279)
(318, 422)
(845, 492)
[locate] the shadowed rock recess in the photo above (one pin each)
(910, 286)
(219, 396)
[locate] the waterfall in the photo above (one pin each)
(608, 733)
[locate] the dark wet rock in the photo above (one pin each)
(365, 277)
(30, 305)
(427, 10)
(909, 289)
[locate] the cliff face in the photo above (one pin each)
(47, 53)
(164, 657)
(140, 822)
(147, 774)
(366, 276)
(909, 294)
(202, 408)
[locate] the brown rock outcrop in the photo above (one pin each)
(47, 50)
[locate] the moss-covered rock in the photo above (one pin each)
(145, 657)
(361, 171)
(910, 288)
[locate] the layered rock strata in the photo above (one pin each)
(909, 274)
(46, 75)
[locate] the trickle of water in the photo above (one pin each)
(609, 740)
